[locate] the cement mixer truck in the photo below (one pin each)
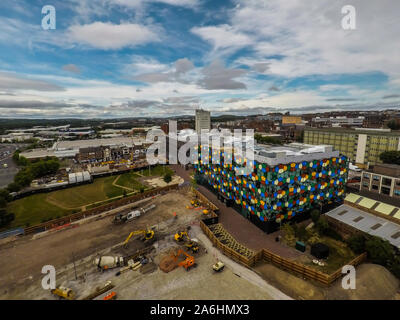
(125, 217)
(108, 262)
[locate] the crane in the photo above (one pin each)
(188, 263)
(148, 235)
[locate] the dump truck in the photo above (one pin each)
(108, 262)
(124, 217)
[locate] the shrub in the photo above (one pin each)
(322, 225)
(379, 251)
(315, 215)
(302, 233)
(167, 177)
(357, 243)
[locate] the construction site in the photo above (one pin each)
(150, 249)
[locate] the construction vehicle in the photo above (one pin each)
(124, 217)
(64, 292)
(189, 244)
(219, 266)
(148, 234)
(188, 263)
(111, 296)
(108, 262)
(179, 236)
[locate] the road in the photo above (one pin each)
(7, 174)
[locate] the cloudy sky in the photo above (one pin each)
(134, 58)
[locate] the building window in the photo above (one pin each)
(385, 190)
(387, 181)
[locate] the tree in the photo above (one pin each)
(357, 243)
(379, 251)
(167, 177)
(394, 125)
(322, 225)
(13, 187)
(391, 157)
(315, 214)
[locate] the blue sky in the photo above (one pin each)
(134, 58)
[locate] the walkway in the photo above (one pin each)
(239, 227)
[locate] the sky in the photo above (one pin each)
(160, 58)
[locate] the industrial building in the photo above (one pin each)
(285, 184)
(93, 149)
(361, 214)
(202, 120)
(361, 146)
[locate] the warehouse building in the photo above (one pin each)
(286, 183)
(361, 146)
(362, 214)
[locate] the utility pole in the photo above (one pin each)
(73, 259)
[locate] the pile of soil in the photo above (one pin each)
(168, 263)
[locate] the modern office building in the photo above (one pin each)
(361, 146)
(286, 183)
(202, 120)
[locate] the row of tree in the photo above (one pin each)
(5, 217)
(391, 157)
(31, 170)
(263, 139)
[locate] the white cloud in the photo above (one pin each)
(110, 36)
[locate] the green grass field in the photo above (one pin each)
(46, 206)
(130, 180)
(34, 210)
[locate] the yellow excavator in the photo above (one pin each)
(148, 234)
(190, 244)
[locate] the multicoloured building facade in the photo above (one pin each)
(286, 182)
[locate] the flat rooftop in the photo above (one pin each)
(76, 144)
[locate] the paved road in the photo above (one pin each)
(7, 174)
(239, 227)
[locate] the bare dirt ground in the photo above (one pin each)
(372, 282)
(26, 257)
(72, 252)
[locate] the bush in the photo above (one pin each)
(167, 177)
(322, 226)
(315, 215)
(14, 187)
(301, 233)
(395, 267)
(357, 243)
(379, 251)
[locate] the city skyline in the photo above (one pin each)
(159, 58)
